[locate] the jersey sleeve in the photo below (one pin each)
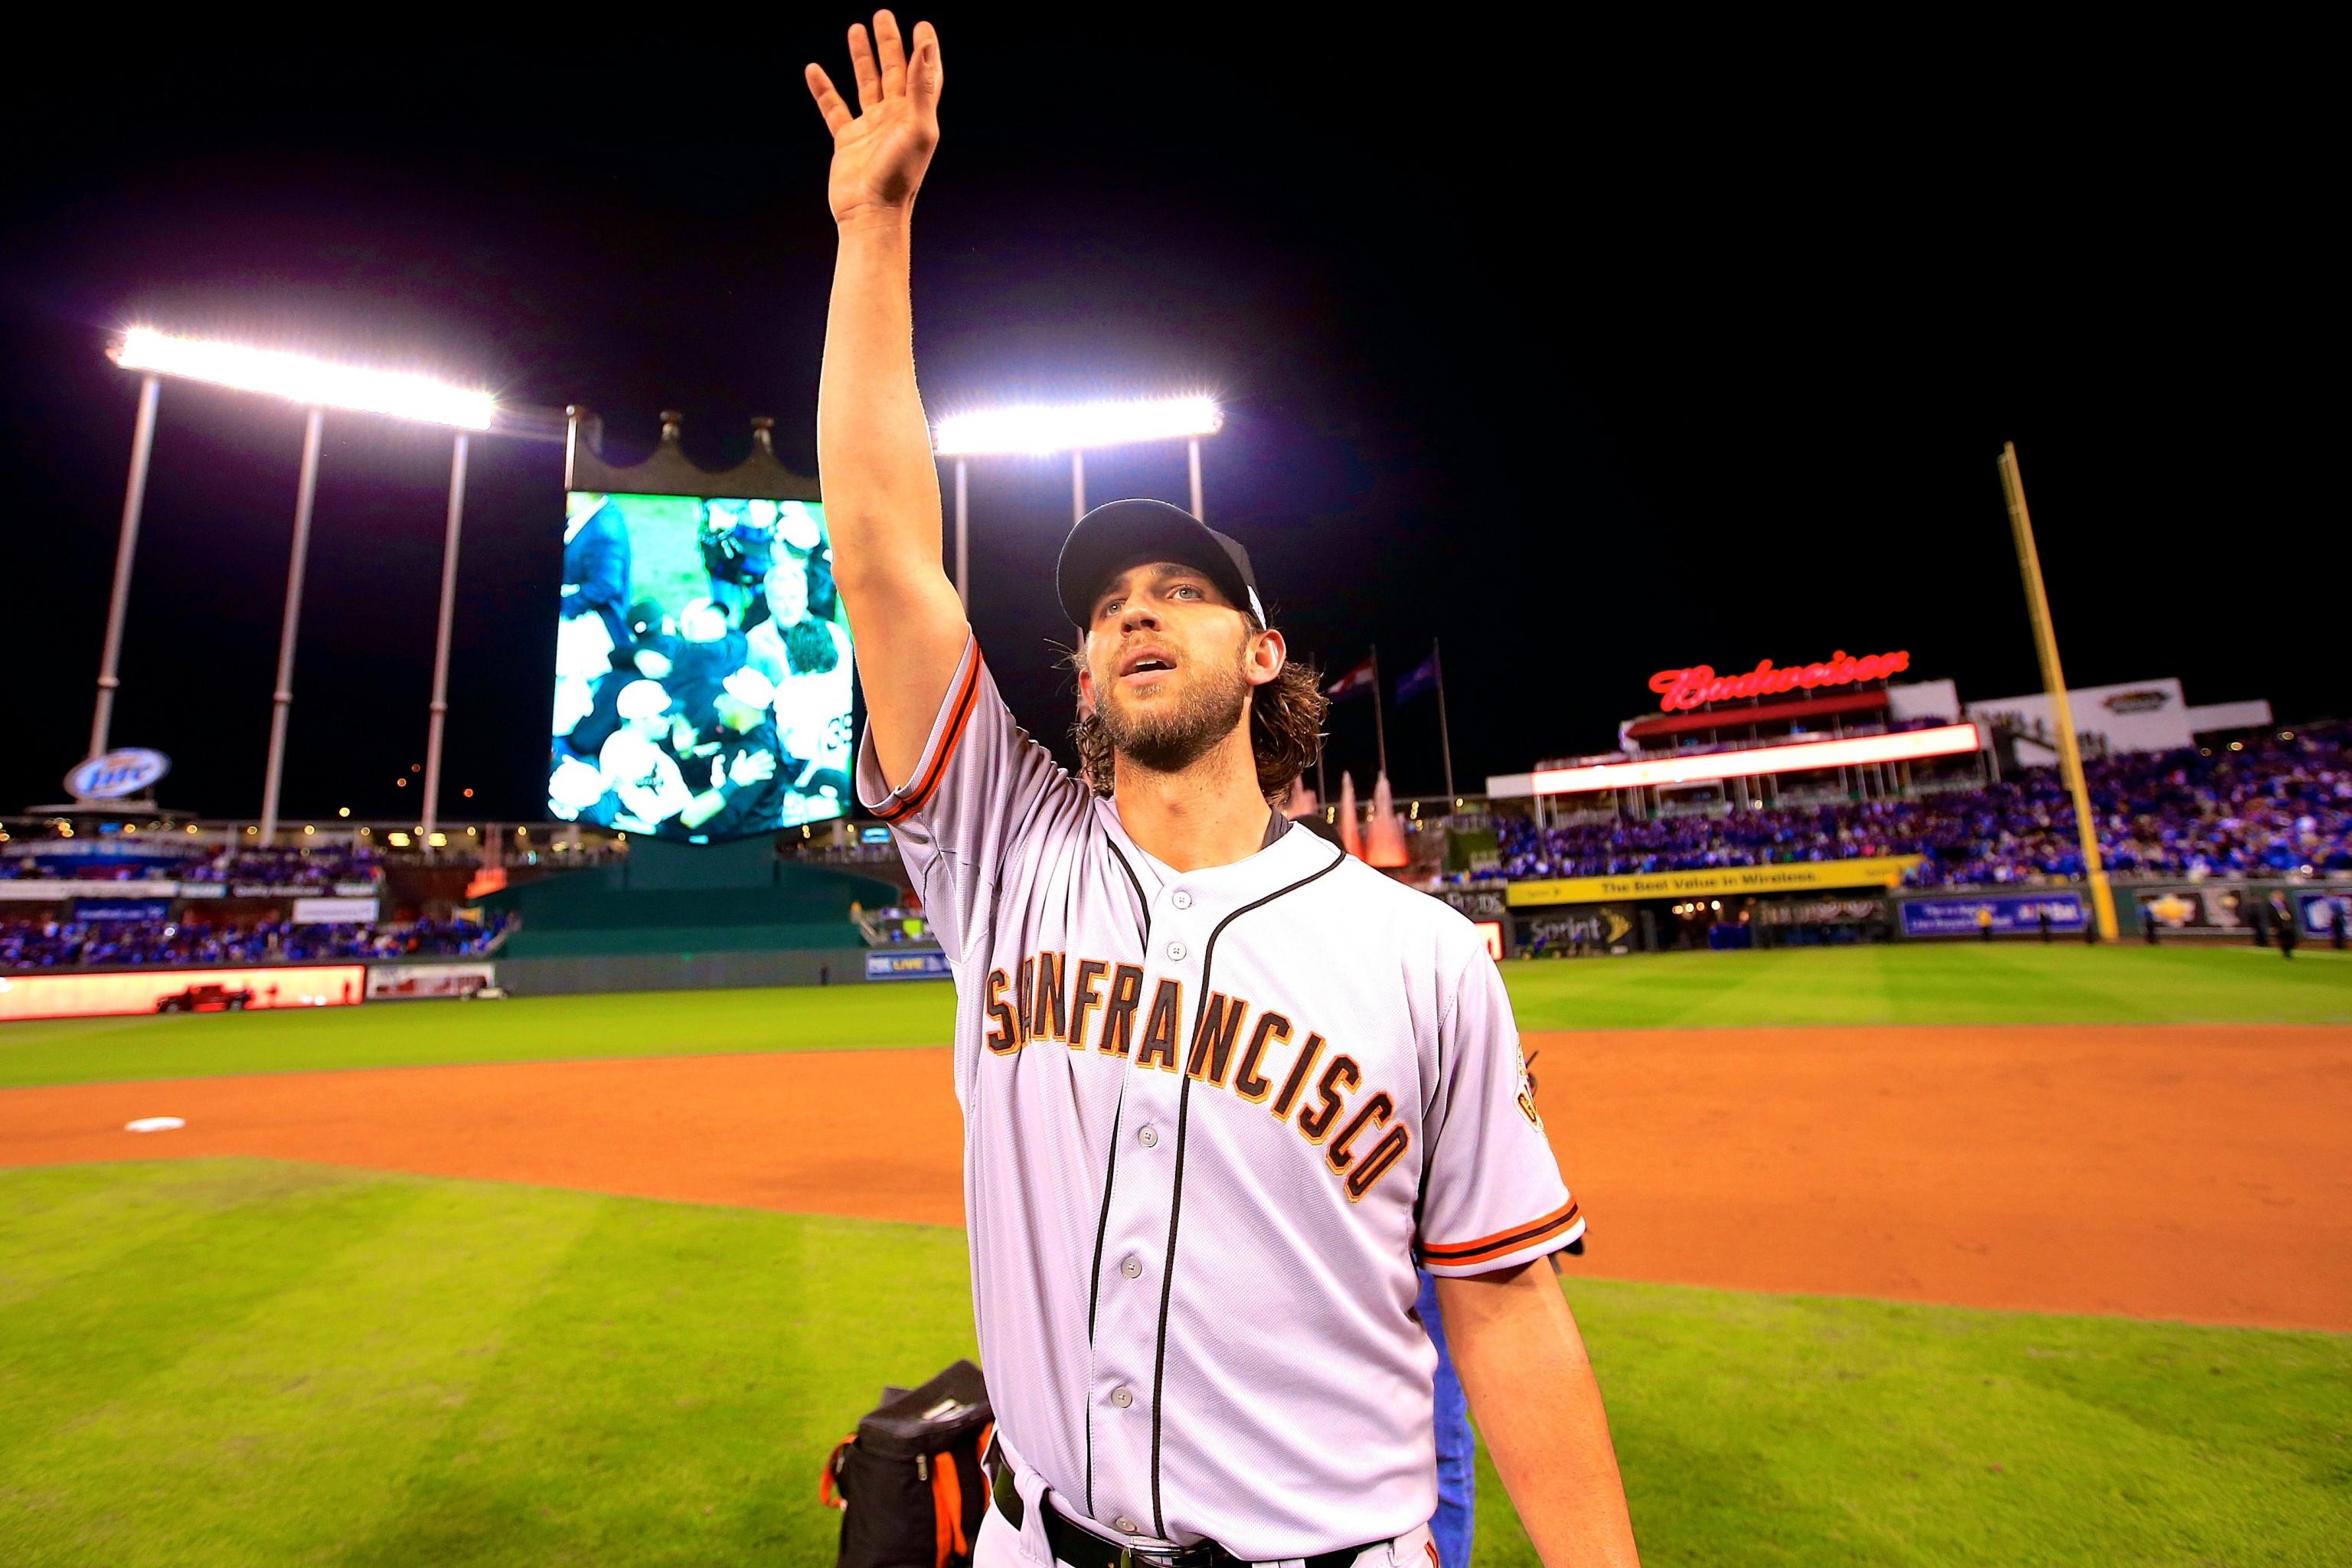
(1491, 1196)
(960, 816)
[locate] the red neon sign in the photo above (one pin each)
(1680, 690)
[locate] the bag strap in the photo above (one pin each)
(946, 1510)
(827, 1491)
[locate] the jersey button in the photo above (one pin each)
(1123, 1524)
(1176, 950)
(1121, 1397)
(1148, 1137)
(1132, 1267)
(1181, 899)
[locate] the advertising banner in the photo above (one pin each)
(397, 982)
(2206, 909)
(334, 911)
(2011, 913)
(1821, 911)
(54, 890)
(1479, 903)
(179, 991)
(883, 964)
(123, 909)
(2322, 912)
(702, 668)
(1597, 929)
(1881, 871)
(117, 773)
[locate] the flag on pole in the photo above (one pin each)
(1351, 681)
(1421, 677)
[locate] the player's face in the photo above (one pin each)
(1169, 664)
(788, 593)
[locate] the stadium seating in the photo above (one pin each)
(31, 945)
(2278, 806)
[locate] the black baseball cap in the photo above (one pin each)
(1119, 534)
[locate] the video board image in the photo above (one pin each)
(702, 668)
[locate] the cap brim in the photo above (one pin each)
(1121, 534)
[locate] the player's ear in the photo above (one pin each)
(1263, 657)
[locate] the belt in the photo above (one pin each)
(1082, 1548)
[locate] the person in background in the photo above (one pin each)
(707, 652)
(596, 564)
(737, 538)
(636, 767)
(1984, 923)
(1455, 1522)
(2282, 915)
(807, 657)
(744, 795)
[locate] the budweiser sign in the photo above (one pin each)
(1680, 690)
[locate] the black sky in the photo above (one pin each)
(1590, 356)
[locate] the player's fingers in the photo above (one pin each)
(893, 50)
(828, 101)
(925, 75)
(861, 61)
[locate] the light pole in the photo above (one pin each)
(281, 697)
(1043, 429)
(440, 707)
(134, 500)
(316, 384)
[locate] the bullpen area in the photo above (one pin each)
(1900, 1255)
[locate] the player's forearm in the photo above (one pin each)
(1523, 1364)
(873, 444)
(703, 807)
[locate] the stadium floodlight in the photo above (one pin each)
(314, 382)
(317, 386)
(1753, 762)
(1039, 428)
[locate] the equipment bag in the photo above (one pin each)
(909, 1480)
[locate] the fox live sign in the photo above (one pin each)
(1715, 881)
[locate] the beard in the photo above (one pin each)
(1171, 735)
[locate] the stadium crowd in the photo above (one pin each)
(2280, 807)
(55, 945)
(322, 867)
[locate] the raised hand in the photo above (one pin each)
(880, 152)
(750, 768)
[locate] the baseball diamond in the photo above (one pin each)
(2083, 1176)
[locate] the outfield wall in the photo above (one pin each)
(584, 976)
(1600, 914)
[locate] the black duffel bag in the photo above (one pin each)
(909, 1480)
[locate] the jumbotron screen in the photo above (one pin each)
(702, 668)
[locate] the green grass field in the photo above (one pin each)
(241, 1361)
(1908, 983)
(238, 1362)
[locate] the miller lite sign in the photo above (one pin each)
(126, 771)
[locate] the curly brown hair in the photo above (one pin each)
(1286, 721)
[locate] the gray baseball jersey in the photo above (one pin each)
(1210, 1118)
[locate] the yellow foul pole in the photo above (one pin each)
(2053, 682)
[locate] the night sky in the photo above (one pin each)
(1588, 356)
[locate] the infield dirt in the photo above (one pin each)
(2196, 1172)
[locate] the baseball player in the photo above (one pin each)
(808, 657)
(1222, 1084)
